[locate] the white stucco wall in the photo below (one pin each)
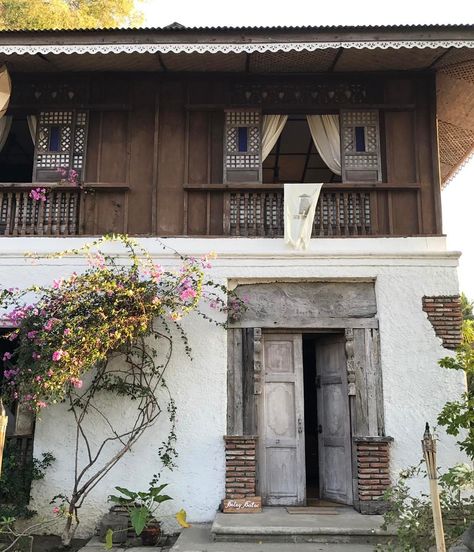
(415, 388)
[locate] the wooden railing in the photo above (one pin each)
(260, 213)
(20, 215)
(343, 210)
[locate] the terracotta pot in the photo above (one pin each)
(150, 535)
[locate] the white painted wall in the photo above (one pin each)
(404, 269)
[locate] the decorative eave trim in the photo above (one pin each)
(223, 48)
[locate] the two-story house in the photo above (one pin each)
(189, 134)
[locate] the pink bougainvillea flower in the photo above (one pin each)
(13, 335)
(57, 283)
(72, 177)
(7, 356)
(18, 314)
(9, 374)
(32, 334)
(56, 510)
(76, 382)
(67, 331)
(156, 272)
(57, 355)
(188, 293)
(38, 194)
(50, 323)
(97, 261)
(41, 404)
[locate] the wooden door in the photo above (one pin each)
(335, 461)
(281, 421)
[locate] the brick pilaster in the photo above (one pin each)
(240, 466)
(373, 472)
(445, 315)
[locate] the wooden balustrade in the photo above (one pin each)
(20, 215)
(343, 210)
(260, 213)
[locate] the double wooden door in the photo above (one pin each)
(281, 420)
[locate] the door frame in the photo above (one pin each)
(364, 378)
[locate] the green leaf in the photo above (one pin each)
(126, 492)
(139, 517)
(155, 491)
(109, 539)
(162, 498)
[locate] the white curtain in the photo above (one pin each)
(5, 125)
(32, 122)
(271, 129)
(326, 137)
(5, 90)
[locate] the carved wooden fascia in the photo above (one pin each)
(350, 362)
(257, 361)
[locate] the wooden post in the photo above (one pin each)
(3, 431)
(428, 445)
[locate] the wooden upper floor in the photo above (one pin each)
(182, 154)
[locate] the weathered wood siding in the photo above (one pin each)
(156, 144)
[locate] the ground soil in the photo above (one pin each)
(50, 543)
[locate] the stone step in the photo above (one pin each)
(198, 539)
(275, 525)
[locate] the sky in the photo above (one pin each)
(458, 197)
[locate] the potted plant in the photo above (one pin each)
(141, 507)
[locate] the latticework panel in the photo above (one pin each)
(387, 59)
(256, 214)
(360, 144)
(343, 214)
(242, 144)
(61, 143)
(463, 71)
(20, 215)
(455, 143)
(455, 56)
(337, 214)
(294, 62)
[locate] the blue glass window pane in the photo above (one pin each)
(243, 138)
(55, 138)
(360, 138)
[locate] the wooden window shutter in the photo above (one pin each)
(242, 146)
(360, 145)
(61, 141)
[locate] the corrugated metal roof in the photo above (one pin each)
(178, 27)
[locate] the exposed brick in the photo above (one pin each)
(240, 466)
(444, 313)
(372, 469)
